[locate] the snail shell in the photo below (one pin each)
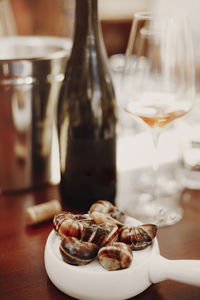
(102, 206)
(104, 211)
(67, 224)
(115, 256)
(76, 252)
(100, 234)
(99, 218)
(138, 237)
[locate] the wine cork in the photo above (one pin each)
(42, 212)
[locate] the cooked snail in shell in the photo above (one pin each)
(115, 256)
(100, 234)
(76, 252)
(104, 211)
(68, 224)
(138, 237)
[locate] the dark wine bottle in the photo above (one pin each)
(87, 117)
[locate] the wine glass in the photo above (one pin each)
(158, 87)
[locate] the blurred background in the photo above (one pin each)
(56, 17)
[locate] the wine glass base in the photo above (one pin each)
(165, 184)
(164, 211)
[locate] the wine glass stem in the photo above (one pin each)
(155, 161)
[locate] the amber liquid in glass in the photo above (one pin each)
(155, 115)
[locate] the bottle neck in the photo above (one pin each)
(87, 24)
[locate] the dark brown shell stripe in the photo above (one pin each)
(100, 234)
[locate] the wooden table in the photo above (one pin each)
(22, 271)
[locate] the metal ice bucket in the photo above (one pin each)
(31, 74)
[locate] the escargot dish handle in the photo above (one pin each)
(185, 271)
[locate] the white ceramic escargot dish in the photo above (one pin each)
(93, 282)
